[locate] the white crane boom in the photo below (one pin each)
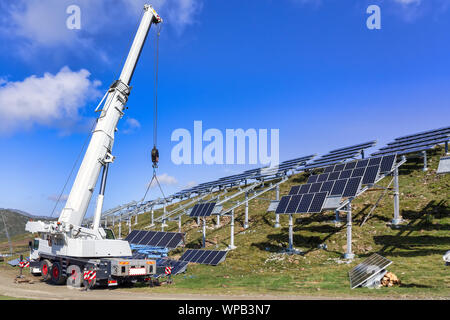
(98, 154)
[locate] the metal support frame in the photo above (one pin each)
(277, 216)
(349, 254)
(136, 220)
(425, 164)
(446, 147)
(337, 219)
(291, 249)
(179, 224)
(397, 217)
(246, 211)
(204, 234)
(218, 221)
(232, 246)
(120, 227)
(129, 225)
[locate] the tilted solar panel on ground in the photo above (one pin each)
(367, 270)
(209, 257)
(177, 266)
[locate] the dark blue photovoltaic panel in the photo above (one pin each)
(358, 172)
(294, 190)
(322, 177)
(362, 163)
(327, 186)
(374, 161)
(334, 176)
(146, 239)
(339, 167)
(370, 175)
(131, 235)
(293, 204)
(315, 187)
(328, 169)
(339, 186)
(350, 165)
(304, 188)
(177, 266)
(352, 187)
(317, 203)
(210, 257)
(387, 163)
(312, 179)
(283, 204)
(305, 203)
(194, 211)
(156, 239)
(202, 210)
(345, 174)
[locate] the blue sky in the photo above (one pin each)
(311, 69)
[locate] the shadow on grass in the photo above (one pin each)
(417, 245)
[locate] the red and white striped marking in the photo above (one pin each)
(24, 264)
(168, 270)
(89, 275)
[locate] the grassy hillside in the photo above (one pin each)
(258, 264)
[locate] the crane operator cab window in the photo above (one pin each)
(109, 234)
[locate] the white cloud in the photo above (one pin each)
(164, 179)
(42, 23)
(190, 184)
(409, 2)
(131, 125)
(51, 100)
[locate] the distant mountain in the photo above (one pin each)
(15, 221)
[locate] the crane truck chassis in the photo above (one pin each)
(66, 251)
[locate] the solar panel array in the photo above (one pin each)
(416, 142)
(210, 257)
(253, 174)
(202, 209)
(340, 155)
(368, 269)
(159, 239)
(344, 180)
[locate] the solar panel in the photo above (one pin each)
(352, 187)
(339, 167)
(312, 179)
(358, 172)
(327, 186)
(338, 188)
(177, 266)
(374, 161)
(362, 163)
(322, 177)
(293, 204)
(317, 202)
(315, 187)
(304, 188)
(387, 163)
(416, 142)
(444, 165)
(210, 257)
(350, 165)
(305, 203)
(328, 169)
(345, 174)
(371, 174)
(160, 239)
(283, 204)
(367, 270)
(294, 190)
(334, 175)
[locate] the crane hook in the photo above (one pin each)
(155, 157)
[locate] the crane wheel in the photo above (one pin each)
(74, 276)
(46, 267)
(57, 274)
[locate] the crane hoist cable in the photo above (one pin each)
(155, 151)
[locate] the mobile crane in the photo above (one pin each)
(65, 250)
